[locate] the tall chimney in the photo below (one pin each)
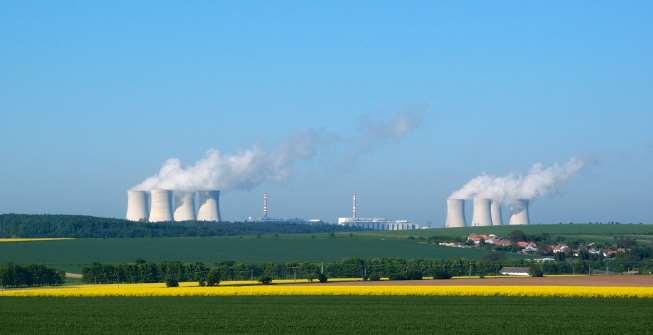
(266, 205)
(455, 213)
(161, 206)
(354, 206)
(519, 212)
(481, 215)
(136, 206)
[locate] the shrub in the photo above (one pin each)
(414, 275)
(322, 278)
(213, 278)
(442, 274)
(536, 272)
(265, 280)
(172, 282)
(374, 277)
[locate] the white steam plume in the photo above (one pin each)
(539, 181)
(248, 168)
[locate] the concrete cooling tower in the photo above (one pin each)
(184, 206)
(481, 215)
(161, 206)
(495, 209)
(209, 206)
(455, 213)
(519, 212)
(136, 206)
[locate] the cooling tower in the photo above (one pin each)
(455, 213)
(160, 205)
(495, 209)
(209, 206)
(481, 215)
(136, 206)
(184, 206)
(519, 212)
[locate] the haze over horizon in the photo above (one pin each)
(94, 98)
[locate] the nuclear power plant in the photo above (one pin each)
(455, 213)
(519, 212)
(167, 206)
(486, 212)
(482, 216)
(137, 206)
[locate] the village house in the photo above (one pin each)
(560, 248)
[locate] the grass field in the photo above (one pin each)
(326, 315)
(598, 232)
(70, 255)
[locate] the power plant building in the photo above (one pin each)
(209, 206)
(161, 206)
(374, 223)
(482, 216)
(455, 213)
(519, 212)
(136, 206)
(184, 206)
(495, 211)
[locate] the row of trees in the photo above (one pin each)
(24, 225)
(13, 275)
(372, 269)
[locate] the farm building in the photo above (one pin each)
(514, 271)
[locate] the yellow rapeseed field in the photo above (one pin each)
(191, 289)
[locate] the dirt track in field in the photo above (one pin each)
(631, 280)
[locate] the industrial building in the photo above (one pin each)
(486, 212)
(374, 223)
(168, 206)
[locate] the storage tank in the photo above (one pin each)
(160, 205)
(455, 213)
(136, 206)
(481, 215)
(184, 206)
(519, 212)
(209, 206)
(495, 209)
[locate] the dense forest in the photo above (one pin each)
(372, 269)
(12, 275)
(24, 225)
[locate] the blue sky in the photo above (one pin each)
(95, 96)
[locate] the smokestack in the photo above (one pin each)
(455, 213)
(495, 209)
(354, 206)
(519, 212)
(161, 205)
(184, 206)
(136, 206)
(481, 215)
(209, 206)
(266, 205)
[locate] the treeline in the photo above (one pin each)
(13, 275)
(24, 225)
(372, 269)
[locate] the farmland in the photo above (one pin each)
(71, 255)
(322, 315)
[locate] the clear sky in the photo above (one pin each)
(94, 96)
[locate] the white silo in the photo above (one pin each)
(209, 206)
(160, 205)
(455, 213)
(481, 215)
(519, 212)
(495, 209)
(184, 206)
(136, 206)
